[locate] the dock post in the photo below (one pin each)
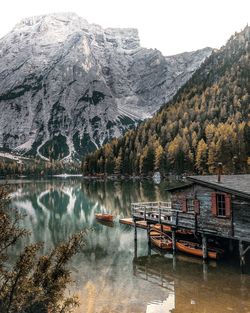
(135, 233)
(174, 262)
(177, 218)
(135, 257)
(135, 250)
(148, 231)
(160, 222)
(149, 249)
(242, 256)
(149, 242)
(196, 224)
(231, 246)
(204, 247)
(205, 270)
(174, 241)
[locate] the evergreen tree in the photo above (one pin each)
(201, 157)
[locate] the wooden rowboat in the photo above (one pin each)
(168, 229)
(196, 249)
(160, 240)
(165, 228)
(104, 217)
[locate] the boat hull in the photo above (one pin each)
(104, 217)
(168, 229)
(195, 249)
(160, 240)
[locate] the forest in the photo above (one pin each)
(36, 167)
(205, 123)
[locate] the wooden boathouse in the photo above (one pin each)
(211, 206)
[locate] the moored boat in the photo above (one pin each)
(196, 249)
(160, 239)
(164, 228)
(104, 217)
(167, 229)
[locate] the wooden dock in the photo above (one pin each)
(130, 221)
(213, 208)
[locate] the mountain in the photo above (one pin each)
(206, 122)
(67, 86)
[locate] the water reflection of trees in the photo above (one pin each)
(55, 209)
(116, 196)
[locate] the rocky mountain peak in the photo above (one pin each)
(68, 86)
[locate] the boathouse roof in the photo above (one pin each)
(235, 184)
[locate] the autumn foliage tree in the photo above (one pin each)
(206, 122)
(34, 283)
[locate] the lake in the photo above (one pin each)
(112, 273)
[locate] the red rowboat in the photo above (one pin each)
(196, 249)
(167, 229)
(104, 217)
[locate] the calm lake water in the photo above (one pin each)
(114, 275)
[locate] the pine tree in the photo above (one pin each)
(35, 282)
(201, 157)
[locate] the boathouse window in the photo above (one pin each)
(190, 205)
(221, 204)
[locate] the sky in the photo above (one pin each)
(171, 26)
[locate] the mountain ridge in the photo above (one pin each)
(206, 122)
(67, 86)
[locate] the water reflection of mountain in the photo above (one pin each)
(197, 287)
(106, 277)
(55, 209)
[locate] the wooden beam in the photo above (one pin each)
(205, 270)
(174, 241)
(196, 223)
(174, 262)
(149, 249)
(135, 232)
(148, 230)
(242, 256)
(159, 217)
(245, 251)
(204, 247)
(177, 218)
(135, 250)
(231, 246)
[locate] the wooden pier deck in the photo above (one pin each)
(214, 210)
(130, 221)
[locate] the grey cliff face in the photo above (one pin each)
(67, 86)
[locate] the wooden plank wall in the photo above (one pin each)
(205, 220)
(241, 217)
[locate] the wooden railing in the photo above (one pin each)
(159, 211)
(158, 204)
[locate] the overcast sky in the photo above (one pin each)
(172, 26)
